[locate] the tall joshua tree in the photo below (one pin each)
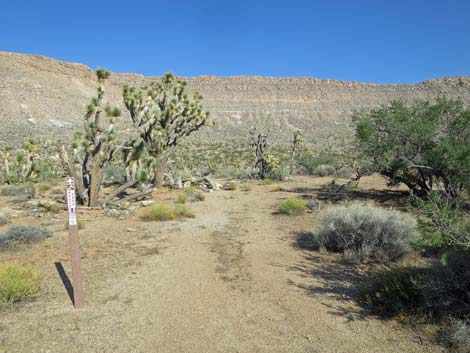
(162, 114)
(95, 147)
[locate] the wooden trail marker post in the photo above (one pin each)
(74, 244)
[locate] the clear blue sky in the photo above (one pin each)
(392, 41)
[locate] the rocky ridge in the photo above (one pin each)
(40, 96)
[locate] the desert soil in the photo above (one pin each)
(229, 280)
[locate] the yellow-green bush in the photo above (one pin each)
(293, 206)
(182, 198)
(17, 282)
(165, 213)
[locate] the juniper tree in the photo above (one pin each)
(95, 147)
(162, 114)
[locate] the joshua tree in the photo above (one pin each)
(94, 148)
(260, 143)
(162, 114)
(296, 144)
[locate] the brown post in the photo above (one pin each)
(74, 244)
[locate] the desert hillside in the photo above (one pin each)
(40, 96)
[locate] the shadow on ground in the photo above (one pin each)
(329, 278)
(327, 193)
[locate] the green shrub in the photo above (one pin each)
(182, 198)
(276, 188)
(266, 181)
(293, 206)
(439, 291)
(17, 282)
(4, 216)
(423, 145)
(183, 211)
(324, 170)
(394, 292)
(311, 160)
(363, 230)
(24, 234)
(442, 225)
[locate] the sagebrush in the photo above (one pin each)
(366, 231)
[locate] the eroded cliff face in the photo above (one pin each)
(40, 96)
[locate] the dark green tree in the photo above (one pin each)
(425, 145)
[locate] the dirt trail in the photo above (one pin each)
(229, 280)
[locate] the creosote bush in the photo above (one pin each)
(17, 282)
(439, 293)
(163, 212)
(24, 234)
(293, 206)
(4, 216)
(366, 231)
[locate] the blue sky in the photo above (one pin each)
(390, 41)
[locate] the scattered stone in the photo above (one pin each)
(131, 230)
(147, 202)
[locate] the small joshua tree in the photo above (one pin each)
(259, 141)
(19, 166)
(162, 114)
(95, 147)
(296, 144)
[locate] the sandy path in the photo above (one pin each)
(227, 281)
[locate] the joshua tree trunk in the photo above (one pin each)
(159, 170)
(95, 183)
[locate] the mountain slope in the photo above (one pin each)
(40, 96)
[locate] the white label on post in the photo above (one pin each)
(71, 201)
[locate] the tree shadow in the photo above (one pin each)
(326, 193)
(330, 278)
(65, 280)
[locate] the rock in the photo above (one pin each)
(131, 230)
(178, 184)
(147, 202)
(186, 184)
(313, 204)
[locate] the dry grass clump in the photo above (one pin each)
(183, 211)
(182, 199)
(43, 187)
(231, 186)
(363, 230)
(17, 282)
(267, 181)
(293, 206)
(4, 216)
(80, 224)
(163, 212)
(24, 234)
(276, 188)
(50, 206)
(247, 188)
